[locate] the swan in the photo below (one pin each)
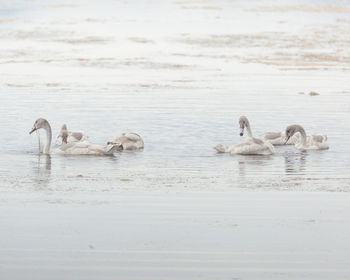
(251, 146)
(279, 138)
(73, 148)
(66, 136)
(129, 141)
(313, 142)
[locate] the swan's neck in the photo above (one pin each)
(303, 135)
(249, 131)
(48, 138)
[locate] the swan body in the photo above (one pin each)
(66, 136)
(312, 142)
(316, 138)
(129, 141)
(73, 148)
(251, 146)
(86, 148)
(279, 138)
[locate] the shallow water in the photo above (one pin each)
(123, 66)
(179, 73)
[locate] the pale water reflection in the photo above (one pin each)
(295, 163)
(42, 171)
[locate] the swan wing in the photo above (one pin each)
(318, 138)
(86, 148)
(77, 135)
(271, 135)
(133, 137)
(75, 148)
(130, 141)
(95, 149)
(313, 142)
(72, 137)
(222, 149)
(253, 146)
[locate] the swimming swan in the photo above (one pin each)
(77, 148)
(313, 142)
(251, 146)
(66, 136)
(129, 141)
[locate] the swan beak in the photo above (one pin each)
(286, 139)
(241, 132)
(33, 129)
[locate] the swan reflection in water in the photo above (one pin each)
(42, 170)
(295, 163)
(248, 165)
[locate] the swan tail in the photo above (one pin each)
(220, 148)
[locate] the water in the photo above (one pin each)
(179, 85)
(179, 73)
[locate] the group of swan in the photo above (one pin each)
(76, 143)
(263, 145)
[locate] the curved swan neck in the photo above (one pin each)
(302, 133)
(249, 131)
(48, 138)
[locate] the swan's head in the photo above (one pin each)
(291, 130)
(64, 127)
(39, 123)
(243, 122)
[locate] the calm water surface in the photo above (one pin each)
(178, 84)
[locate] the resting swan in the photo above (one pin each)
(77, 148)
(66, 136)
(129, 141)
(251, 146)
(313, 142)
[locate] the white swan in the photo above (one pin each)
(129, 141)
(77, 148)
(251, 146)
(66, 136)
(313, 142)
